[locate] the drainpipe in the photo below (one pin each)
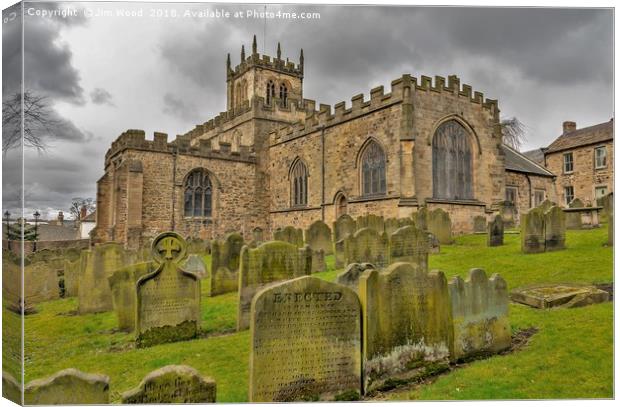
(174, 178)
(323, 173)
(529, 182)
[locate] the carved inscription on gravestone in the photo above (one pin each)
(168, 299)
(306, 342)
(367, 246)
(411, 245)
(555, 229)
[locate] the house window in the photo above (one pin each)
(568, 162)
(600, 157)
(271, 91)
(452, 162)
(283, 95)
(539, 196)
(198, 194)
(512, 195)
(569, 194)
(600, 192)
(373, 169)
(299, 183)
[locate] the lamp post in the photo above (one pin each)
(36, 228)
(7, 216)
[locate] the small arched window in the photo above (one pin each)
(271, 91)
(341, 205)
(299, 183)
(244, 90)
(198, 194)
(452, 162)
(373, 169)
(283, 95)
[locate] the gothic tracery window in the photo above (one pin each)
(198, 194)
(283, 95)
(271, 91)
(452, 162)
(299, 183)
(373, 169)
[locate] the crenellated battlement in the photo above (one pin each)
(401, 91)
(136, 139)
(265, 62)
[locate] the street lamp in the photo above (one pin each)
(7, 215)
(36, 228)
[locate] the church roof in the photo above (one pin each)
(537, 155)
(583, 137)
(515, 161)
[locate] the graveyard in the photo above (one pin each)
(554, 353)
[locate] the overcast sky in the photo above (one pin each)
(103, 75)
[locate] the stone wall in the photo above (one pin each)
(526, 185)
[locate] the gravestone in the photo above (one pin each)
(367, 246)
(11, 388)
(306, 342)
(172, 384)
(420, 218)
(546, 205)
(196, 246)
(318, 261)
(96, 265)
(123, 286)
(533, 231)
(559, 295)
(223, 275)
(407, 321)
(319, 237)
(440, 225)
(41, 283)
(509, 213)
(610, 229)
(12, 284)
(495, 234)
(195, 264)
(409, 244)
(350, 277)
(573, 218)
(69, 386)
(290, 235)
(264, 266)
(71, 275)
(479, 314)
(168, 299)
(433, 244)
(344, 227)
(257, 236)
(607, 203)
(371, 221)
(480, 224)
(555, 229)
(391, 224)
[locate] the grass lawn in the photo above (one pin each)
(571, 355)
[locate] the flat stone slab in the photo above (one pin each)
(559, 295)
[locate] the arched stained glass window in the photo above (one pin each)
(373, 169)
(198, 194)
(283, 95)
(452, 162)
(271, 92)
(299, 183)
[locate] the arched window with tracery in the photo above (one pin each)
(283, 94)
(373, 169)
(452, 162)
(198, 194)
(271, 91)
(299, 183)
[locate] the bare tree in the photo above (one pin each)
(513, 132)
(37, 120)
(78, 203)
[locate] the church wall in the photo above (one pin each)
(526, 184)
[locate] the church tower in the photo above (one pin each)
(279, 82)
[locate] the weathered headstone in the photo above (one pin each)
(168, 299)
(96, 265)
(257, 235)
(576, 203)
(391, 224)
(509, 213)
(559, 295)
(533, 231)
(480, 224)
(172, 384)
(123, 286)
(409, 244)
(433, 244)
(350, 277)
(607, 203)
(555, 229)
(440, 225)
(573, 218)
(407, 321)
(41, 282)
(479, 314)
(495, 233)
(546, 205)
(420, 218)
(71, 277)
(371, 221)
(196, 246)
(344, 227)
(318, 261)
(195, 264)
(306, 342)
(319, 237)
(11, 388)
(367, 246)
(290, 235)
(223, 275)
(69, 386)
(266, 265)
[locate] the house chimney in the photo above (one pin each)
(83, 212)
(568, 127)
(61, 218)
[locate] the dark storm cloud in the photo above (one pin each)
(100, 96)
(175, 106)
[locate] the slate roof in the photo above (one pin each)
(58, 232)
(583, 137)
(515, 161)
(538, 156)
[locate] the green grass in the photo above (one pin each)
(571, 356)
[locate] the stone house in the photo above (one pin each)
(275, 158)
(582, 159)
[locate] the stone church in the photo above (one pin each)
(274, 158)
